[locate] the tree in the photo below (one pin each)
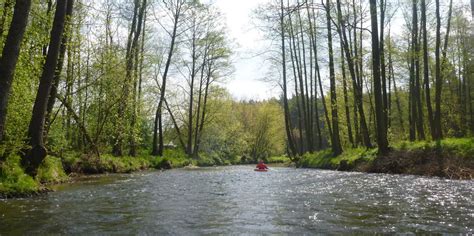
(57, 74)
(335, 139)
(175, 7)
(440, 62)
(131, 52)
(426, 78)
(10, 53)
(355, 71)
(380, 120)
(289, 137)
(38, 152)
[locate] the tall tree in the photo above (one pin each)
(38, 152)
(426, 78)
(291, 144)
(380, 120)
(440, 62)
(346, 99)
(132, 73)
(415, 102)
(176, 7)
(57, 73)
(355, 70)
(129, 56)
(335, 139)
(10, 54)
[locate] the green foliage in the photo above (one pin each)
(450, 148)
(278, 159)
(326, 160)
(51, 171)
(13, 180)
(172, 158)
(106, 163)
(461, 147)
(321, 159)
(214, 159)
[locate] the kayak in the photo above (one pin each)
(261, 170)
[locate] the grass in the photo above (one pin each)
(172, 158)
(461, 147)
(451, 157)
(106, 163)
(13, 180)
(278, 159)
(51, 171)
(326, 160)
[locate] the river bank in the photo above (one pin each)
(15, 183)
(450, 158)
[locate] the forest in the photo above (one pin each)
(118, 86)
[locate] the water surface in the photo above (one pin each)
(235, 200)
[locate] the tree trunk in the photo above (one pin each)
(117, 149)
(57, 74)
(134, 66)
(160, 145)
(439, 67)
(10, 53)
(189, 145)
(296, 75)
(335, 139)
(381, 127)
(285, 96)
(357, 85)
(316, 69)
(416, 93)
(383, 5)
(35, 132)
(426, 78)
(346, 99)
(304, 92)
(438, 81)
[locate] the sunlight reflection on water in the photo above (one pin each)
(236, 199)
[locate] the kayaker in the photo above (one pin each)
(261, 165)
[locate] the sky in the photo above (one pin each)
(246, 82)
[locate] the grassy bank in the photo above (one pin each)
(449, 158)
(15, 183)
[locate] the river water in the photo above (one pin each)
(238, 200)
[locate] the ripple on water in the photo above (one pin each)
(236, 199)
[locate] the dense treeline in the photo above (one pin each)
(135, 77)
(370, 73)
(123, 77)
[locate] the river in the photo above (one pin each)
(238, 200)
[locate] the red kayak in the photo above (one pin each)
(261, 170)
